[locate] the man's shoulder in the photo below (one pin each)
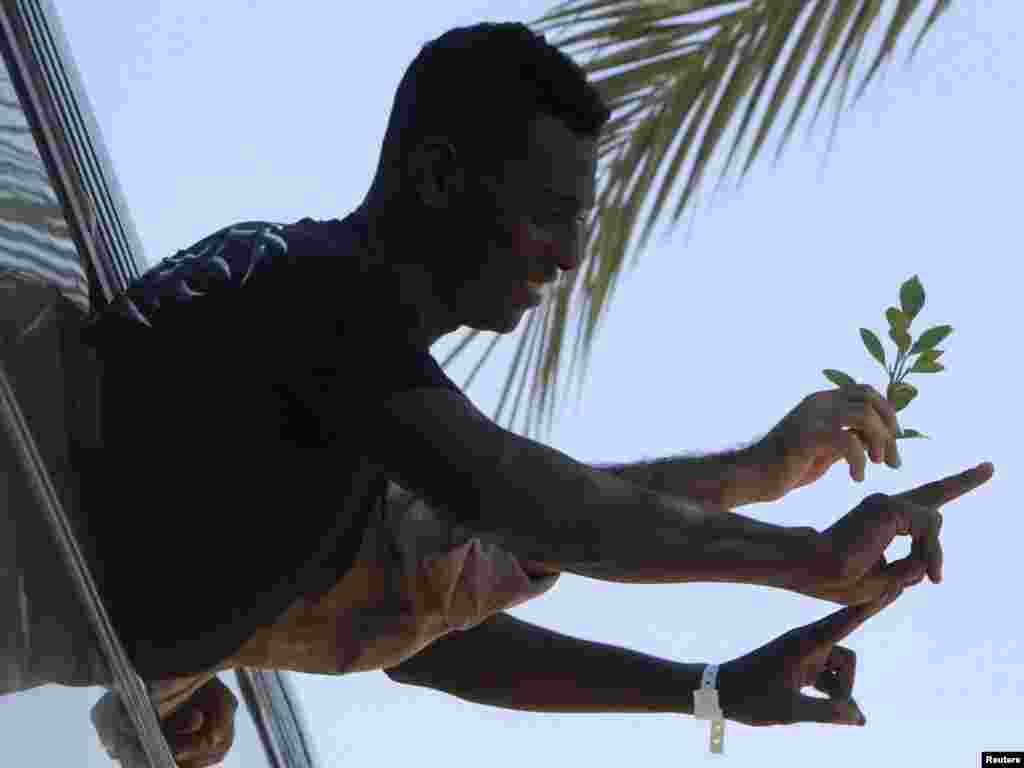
(246, 260)
(237, 255)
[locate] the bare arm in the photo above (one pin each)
(549, 508)
(544, 671)
(725, 480)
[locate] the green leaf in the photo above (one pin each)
(897, 319)
(931, 338)
(839, 378)
(931, 355)
(906, 434)
(926, 366)
(902, 339)
(900, 395)
(940, 7)
(912, 297)
(874, 345)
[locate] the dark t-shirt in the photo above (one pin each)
(242, 382)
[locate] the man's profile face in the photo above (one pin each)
(526, 227)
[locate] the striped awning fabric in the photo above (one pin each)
(35, 243)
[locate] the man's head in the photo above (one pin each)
(488, 168)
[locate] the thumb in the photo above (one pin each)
(186, 721)
(811, 709)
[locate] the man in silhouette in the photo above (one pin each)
(264, 386)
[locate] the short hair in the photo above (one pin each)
(481, 86)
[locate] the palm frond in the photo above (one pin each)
(684, 73)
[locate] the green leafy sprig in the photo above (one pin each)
(899, 393)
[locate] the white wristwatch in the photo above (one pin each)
(706, 707)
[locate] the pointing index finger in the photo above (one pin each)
(943, 491)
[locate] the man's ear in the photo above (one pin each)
(436, 173)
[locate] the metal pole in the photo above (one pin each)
(129, 685)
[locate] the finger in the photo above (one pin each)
(201, 761)
(930, 548)
(810, 709)
(861, 416)
(828, 682)
(200, 754)
(883, 579)
(852, 449)
(887, 412)
(904, 573)
(885, 409)
(923, 525)
(836, 626)
(211, 738)
(943, 491)
(186, 755)
(841, 667)
(191, 721)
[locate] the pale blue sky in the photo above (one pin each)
(215, 113)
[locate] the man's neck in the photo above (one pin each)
(390, 236)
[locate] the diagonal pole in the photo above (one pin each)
(129, 685)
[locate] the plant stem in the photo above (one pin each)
(903, 372)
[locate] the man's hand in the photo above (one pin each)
(853, 549)
(199, 734)
(202, 732)
(764, 686)
(824, 428)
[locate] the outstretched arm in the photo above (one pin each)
(544, 671)
(548, 508)
(854, 423)
(766, 562)
(505, 662)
